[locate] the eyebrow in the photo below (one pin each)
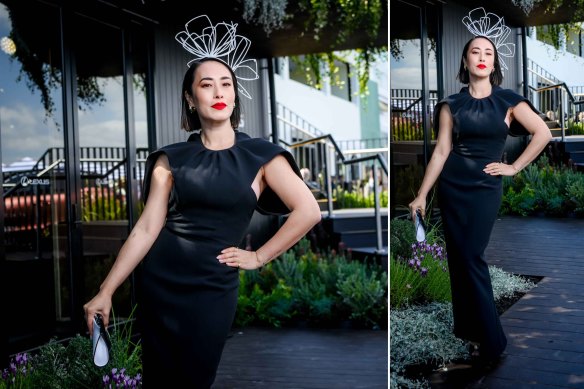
(212, 79)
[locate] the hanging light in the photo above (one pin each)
(7, 45)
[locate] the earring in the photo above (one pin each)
(465, 68)
(192, 109)
(234, 105)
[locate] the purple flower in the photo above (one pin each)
(12, 367)
(423, 272)
(411, 263)
(106, 380)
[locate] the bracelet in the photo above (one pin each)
(514, 168)
(260, 263)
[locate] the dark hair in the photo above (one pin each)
(190, 121)
(496, 76)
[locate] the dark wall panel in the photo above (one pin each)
(454, 38)
(171, 60)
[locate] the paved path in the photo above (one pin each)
(304, 358)
(545, 329)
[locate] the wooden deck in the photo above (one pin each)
(304, 358)
(545, 329)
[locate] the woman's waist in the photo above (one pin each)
(227, 235)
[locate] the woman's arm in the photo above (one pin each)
(541, 136)
(439, 156)
(305, 213)
(138, 243)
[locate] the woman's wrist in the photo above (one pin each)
(259, 261)
(515, 168)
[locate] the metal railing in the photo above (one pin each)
(328, 142)
(35, 198)
(558, 103)
(407, 113)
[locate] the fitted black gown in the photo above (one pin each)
(187, 299)
(469, 203)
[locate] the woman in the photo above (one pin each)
(472, 128)
(200, 196)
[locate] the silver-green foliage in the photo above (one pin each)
(506, 284)
(423, 334)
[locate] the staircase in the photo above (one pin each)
(322, 160)
(355, 230)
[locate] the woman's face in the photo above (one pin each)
(213, 92)
(480, 58)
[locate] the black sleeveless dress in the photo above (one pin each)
(469, 201)
(187, 299)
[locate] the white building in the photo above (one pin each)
(338, 111)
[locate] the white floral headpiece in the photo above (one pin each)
(493, 27)
(219, 42)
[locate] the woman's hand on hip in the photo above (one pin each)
(242, 259)
(500, 169)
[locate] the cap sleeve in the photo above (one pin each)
(261, 152)
(149, 168)
(511, 99)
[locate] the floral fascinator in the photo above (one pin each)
(482, 23)
(204, 40)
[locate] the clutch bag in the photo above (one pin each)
(100, 342)
(420, 227)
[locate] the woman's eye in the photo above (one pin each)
(205, 85)
(227, 84)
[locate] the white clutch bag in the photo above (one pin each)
(100, 342)
(420, 227)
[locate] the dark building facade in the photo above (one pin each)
(87, 90)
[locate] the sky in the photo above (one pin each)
(405, 73)
(24, 130)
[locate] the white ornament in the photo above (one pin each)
(489, 25)
(204, 40)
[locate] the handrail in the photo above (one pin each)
(557, 86)
(408, 107)
(318, 139)
(375, 158)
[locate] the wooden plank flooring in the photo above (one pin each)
(545, 329)
(304, 358)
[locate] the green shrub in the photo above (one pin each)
(364, 291)
(421, 277)
(262, 305)
(543, 189)
(404, 284)
(320, 289)
(69, 365)
(575, 194)
(402, 234)
(356, 199)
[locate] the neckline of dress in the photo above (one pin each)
(215, 150)
(493, 89)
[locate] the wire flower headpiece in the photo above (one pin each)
(489, 25)
(204, 40)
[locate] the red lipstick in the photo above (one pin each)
(219, 106)
(481, 66)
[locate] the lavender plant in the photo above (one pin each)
(17, 375)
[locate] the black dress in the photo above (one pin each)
(469, 202)
(187, 299)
